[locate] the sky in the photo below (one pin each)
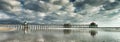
(102, 12)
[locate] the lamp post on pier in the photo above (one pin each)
(25, 27)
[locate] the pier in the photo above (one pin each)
(34, 27)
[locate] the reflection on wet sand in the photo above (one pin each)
(93, 32)
(58, 36)
(67, 31)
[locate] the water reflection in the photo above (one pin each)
(67, 31)
(93, 32)
(58, 36)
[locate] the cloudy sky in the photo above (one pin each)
(103, 12)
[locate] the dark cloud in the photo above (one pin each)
(4, 5)
(110, 6)
(9, 21)
(35, 7)
(46, 0)
(95, 2)
(9, 13)
(72, 0)
(50, 17)
(57, 2)
(117, 0)
(79, 6)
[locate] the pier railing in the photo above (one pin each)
(44, 26)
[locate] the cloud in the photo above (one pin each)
(4, 5)
(4, 16)
(36, 7)
(95, 2)
(60, 11)
(110, 6)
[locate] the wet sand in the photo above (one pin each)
(58, 36)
